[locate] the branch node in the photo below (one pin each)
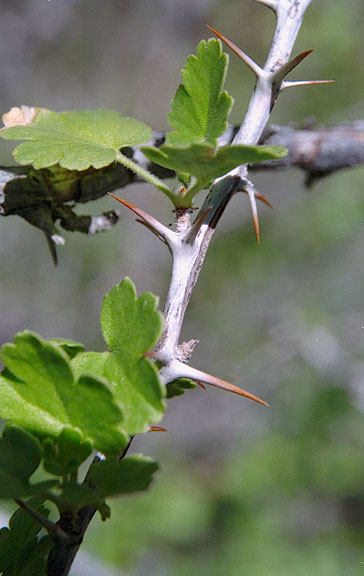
(185, 350)
(284, 69)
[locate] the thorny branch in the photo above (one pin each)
(189, 249)
(46, 197)
(188, 244)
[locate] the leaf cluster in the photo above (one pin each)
(62, 403)
(23, 551)
(200, 111)
(78, 140)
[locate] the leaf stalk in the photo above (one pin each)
(147, 176)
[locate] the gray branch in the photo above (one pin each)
(46, 198)
(318, 150)
(188, 259)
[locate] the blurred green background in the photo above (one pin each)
(243, 490)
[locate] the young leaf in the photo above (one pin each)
(20, 456)
(178, 387)
(75, 140)
(69, 346)
(40, 392)
(65, 453)
(205, 162)
(111, 477)
(200, 107)
(131, 326)
(32, 559)
(21, 552)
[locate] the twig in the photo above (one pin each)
(54, 531)
(188, 259)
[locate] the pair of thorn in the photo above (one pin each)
(278, 84)
(177, 369)
(277, 76)
(250, 190)
(164, 233)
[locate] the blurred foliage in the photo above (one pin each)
(290, 503)
(288, 500)
(242, 489)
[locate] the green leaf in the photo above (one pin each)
(90, 363)
(75, 140)
(71, 347)
(75, 496)
(131, 326)
(206, 163)
(138, 388)
(33, 558)
(65, 453)
(200, 107)
(20, 456)
(21, 552)
(111, 477)
(178, 387)
(40, 392)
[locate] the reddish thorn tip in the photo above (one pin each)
(200, 384)
(157, 429)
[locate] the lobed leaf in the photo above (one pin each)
(71, 347)
(21, 552)
(65, 453)
(205, 162)
(201, 107)
(20, 456)
(39, 391)
(76, 139)
(131, 326)
(111, 477)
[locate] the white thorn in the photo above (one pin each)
(58, 240)
(254, 67)
(291, 84)
(164, 233)
(285, 69)
(253, 205)
(282, 71)
(176, 369)
(272, 4)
